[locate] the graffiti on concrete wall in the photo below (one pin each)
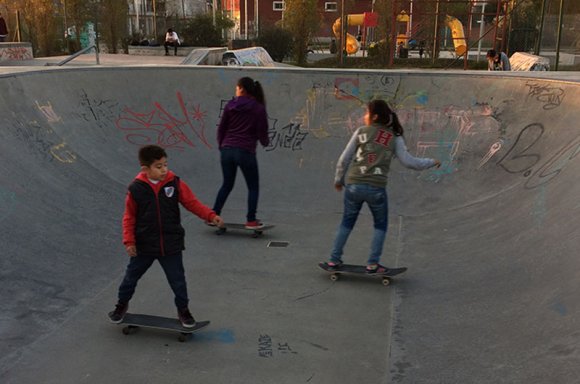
(549, 96)
(160, 124)
(15, 53)
(524, 157)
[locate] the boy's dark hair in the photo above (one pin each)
(253, 88)
(385, 116)
(491, 53)
(149, 153)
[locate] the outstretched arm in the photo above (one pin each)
(410, 161)
(193, 205)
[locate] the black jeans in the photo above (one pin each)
(171, 44)
(231, 159)
(173, 268)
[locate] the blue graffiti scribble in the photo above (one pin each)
(223, 335)
(422, 98)
(559, 308)
(7, 203)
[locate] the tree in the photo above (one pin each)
(201, 32)
(114, 23)
(302, 19)
(41, 25)
(277, 41)
(383, 30)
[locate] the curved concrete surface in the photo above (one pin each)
(491, 238)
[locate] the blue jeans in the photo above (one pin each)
(354, 197)
(173, 268)
(231, 159)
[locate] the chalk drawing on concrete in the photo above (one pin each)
(48, 112)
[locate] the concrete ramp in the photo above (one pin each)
(491, 238)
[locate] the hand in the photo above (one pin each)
(338, 187)
(437, 164)
(218, 221)
(131, 250)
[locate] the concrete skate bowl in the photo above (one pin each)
(490, 238)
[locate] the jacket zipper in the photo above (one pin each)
(159, 221)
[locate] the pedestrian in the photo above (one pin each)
(400, 48)
(497, 61)
(171, 40)
(243, 124)
(3, 29)
(362, 171)
(152, 230)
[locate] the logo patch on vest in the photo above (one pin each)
(169, 191)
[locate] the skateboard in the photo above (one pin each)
(361, 271)
(132, 322)
(255, 232)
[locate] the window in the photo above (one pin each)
(279, 6)
(330, 7)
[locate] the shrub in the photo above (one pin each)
(277, 41)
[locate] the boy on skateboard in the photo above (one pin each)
(152, 230)
(362, 170)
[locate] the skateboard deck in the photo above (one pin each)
(361, 271)
(132, 322)
(238, 226)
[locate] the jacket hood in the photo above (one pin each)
(243, 103)
(143, 177)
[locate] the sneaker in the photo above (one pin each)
(333, 266)
(256, 224)
(376, 269)
(185, 317)
(116, 316)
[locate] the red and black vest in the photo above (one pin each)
(158, 230)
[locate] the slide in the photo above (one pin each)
(457, 33)
(352, 44)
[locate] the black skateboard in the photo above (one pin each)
(257, 232)
(132, 322)
(361, 271)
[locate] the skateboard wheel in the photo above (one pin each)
(334, 277)
(182, 338)
(220, 231)
(129, 329)
(386, 281)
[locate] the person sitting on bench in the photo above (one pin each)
(171, 39)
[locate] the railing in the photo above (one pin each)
(75, 55)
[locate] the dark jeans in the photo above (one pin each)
(231, 159)
(170, 44)
(355, 195)
(173, 268)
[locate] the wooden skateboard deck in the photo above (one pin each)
(361, 271)
(132, 322)
(238, 226)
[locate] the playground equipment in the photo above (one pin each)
(365, 20)
(455, 26)
(457, 34)
(352, 45)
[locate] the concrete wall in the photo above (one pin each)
(15, 51)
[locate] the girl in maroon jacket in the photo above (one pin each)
(244, 122)
(152, 230)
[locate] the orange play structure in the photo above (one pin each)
(367, 19)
